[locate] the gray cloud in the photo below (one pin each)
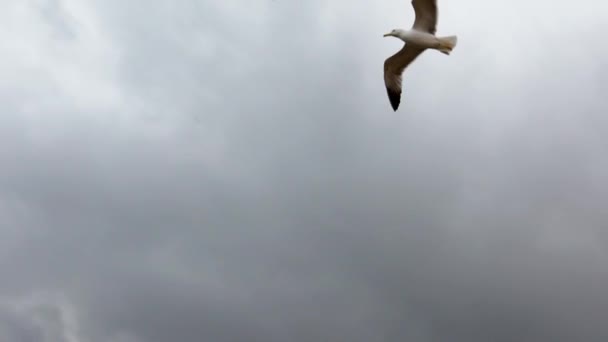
(199, 170)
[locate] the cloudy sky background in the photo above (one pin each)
(232, 171)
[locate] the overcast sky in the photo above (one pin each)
(231, 171)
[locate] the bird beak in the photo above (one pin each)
(387, 35)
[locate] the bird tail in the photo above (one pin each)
(447, 44)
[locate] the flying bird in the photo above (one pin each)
(419, 38)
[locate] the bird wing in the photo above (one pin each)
(393, 69)
(426, 15)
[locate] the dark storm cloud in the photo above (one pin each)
(198, 170)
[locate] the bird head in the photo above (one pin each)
(393, 33)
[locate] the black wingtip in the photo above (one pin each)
(394, 97)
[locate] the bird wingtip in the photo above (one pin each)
(394, 98)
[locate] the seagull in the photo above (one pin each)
(419, 38)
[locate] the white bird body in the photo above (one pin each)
(424, 40)
(418, 39)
